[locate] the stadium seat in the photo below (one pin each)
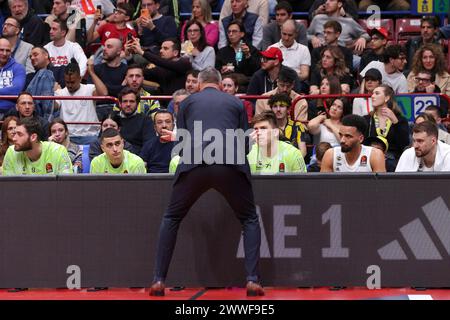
(302, 21)
(406, 28)
(85, 161)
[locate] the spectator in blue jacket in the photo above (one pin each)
(12, 76)
(42, 82)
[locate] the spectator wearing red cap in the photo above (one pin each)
(265, 79)
(377, 44)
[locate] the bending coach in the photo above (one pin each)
(212, 109)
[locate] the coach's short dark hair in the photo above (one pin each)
(353, 120)
(428, 127)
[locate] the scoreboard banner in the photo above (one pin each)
(430, 6)
(413, 105)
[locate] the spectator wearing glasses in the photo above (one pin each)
(118, 28)
(238, 57)
(201, 12)
(377, 45)
(265, 79)
(34, 30)
(430, 57)
(195, 47)
(21, 50)
(425, 82)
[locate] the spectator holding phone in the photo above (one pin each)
(153, 27)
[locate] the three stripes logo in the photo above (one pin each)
(417, 237)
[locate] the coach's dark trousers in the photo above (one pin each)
(236, 189)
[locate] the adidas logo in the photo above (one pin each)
(417, 237)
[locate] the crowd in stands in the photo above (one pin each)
(132, 50)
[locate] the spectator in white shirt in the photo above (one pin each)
(61, 51)
(427, 152)
(295, 55)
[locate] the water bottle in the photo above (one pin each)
(239, 53)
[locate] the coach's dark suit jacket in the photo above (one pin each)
(215, 110)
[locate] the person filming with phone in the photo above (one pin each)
(153, 27)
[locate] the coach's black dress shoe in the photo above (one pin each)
(254, 289)
(157, 289)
